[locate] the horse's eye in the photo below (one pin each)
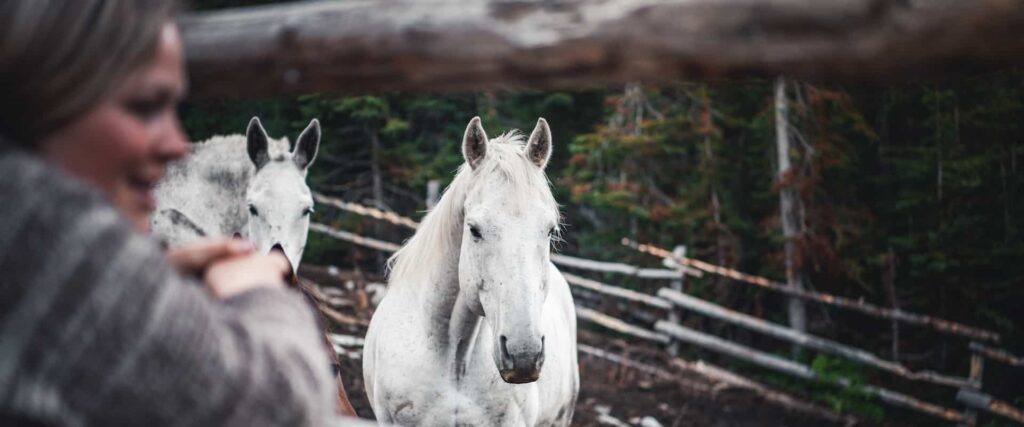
(475, 232)
(252, 211)
(308, 211)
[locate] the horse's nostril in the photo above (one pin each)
(504, 347)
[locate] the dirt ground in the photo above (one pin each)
(611, 394)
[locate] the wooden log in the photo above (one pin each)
(372, 243)
(619, 326)
(653, 371)
(806, 340)
(730, 379)
(448, 45)
(979, 400)
(617, 292)
(997, 354)
(798, 370)
(343, 318)
(937, 324)
(723, 378)
(563, 260)
(365, 211)
(620, 268)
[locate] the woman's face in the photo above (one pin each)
(122, 146)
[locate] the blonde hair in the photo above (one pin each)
(59, 58)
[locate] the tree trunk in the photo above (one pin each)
(787, 203)
(378, 184)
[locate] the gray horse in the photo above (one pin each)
(249, 186)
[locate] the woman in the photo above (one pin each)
(97, 326)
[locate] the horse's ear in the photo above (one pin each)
(538, 148)
(256, 143)
(474, 144)
(307, 145)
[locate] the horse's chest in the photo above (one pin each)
(461, 405)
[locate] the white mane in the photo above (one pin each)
(437, 238)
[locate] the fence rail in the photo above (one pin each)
(798, 370)
(668, 332)
(937, 324)
(360, 46)
(805, 340)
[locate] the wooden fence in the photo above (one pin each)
(365, 45)
(670, 331)
(450, 45)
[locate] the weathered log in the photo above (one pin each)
(619, 326)
(653, 371)
(997, 354)
(937, 324)
(798, 370)
(723, 378)
(617, 292)
(806, 340)
(448, 45)
(354, 238)
(620, 268)
(563, 260)
(729, 379)
(366, 211)
(979, 400)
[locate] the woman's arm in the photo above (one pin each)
(96, 327)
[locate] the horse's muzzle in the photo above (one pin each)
(522, 367)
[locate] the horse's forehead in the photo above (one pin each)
(505, 199)
(279, 180)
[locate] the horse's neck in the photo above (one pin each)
(451, 323)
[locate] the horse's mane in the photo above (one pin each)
(429, 250)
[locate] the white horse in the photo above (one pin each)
(250, 186)
(475, 308)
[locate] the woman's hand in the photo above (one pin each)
(194, 259)
(232, 276)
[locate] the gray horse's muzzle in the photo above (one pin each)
(522, 366)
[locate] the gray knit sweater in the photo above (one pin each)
(97, 329)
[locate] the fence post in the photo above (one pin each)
(433, 188)
(677, 284)
(977, 371)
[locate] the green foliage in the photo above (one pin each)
(853, 399)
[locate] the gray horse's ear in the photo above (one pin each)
(538, 148)
(307, 145)
(474, 143)
(256, 143)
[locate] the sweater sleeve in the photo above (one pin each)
(98, 329)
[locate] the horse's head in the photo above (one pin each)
(280, 202)
(510, 220)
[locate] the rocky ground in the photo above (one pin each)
(650, 392)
